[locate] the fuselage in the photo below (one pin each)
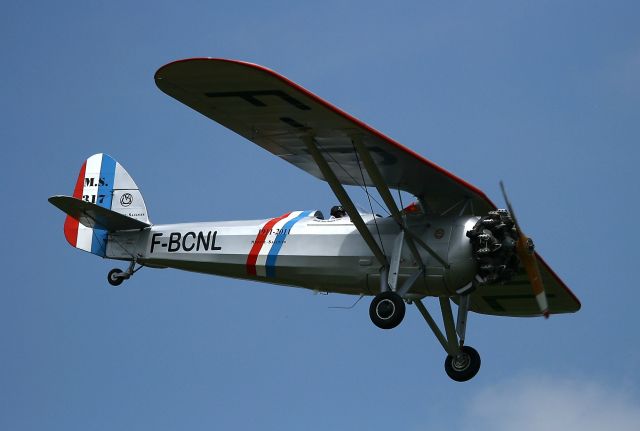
(304, 250)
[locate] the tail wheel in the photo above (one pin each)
(115, 277)
(387, 310)
(464, 366)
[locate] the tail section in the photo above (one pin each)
(104, 182)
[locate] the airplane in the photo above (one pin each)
(452, 243)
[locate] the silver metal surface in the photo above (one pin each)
(408, 283)
(394, 266)
(449, 326)
(324, 255)
(463, 312)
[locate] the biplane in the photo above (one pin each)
(452, 243)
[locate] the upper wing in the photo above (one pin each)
(277, 114)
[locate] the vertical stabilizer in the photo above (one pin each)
(104, 182)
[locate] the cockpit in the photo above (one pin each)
(338, 213)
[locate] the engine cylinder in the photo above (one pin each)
(493, 239)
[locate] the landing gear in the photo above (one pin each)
(462, 362)
(116, 276)
(387, 310)
(464, 366)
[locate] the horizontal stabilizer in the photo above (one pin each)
(94, 216)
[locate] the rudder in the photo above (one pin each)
(104, 182)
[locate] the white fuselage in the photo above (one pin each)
(299, 249)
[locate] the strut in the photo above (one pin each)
(345, 200)
(383, 190)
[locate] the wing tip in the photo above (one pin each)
(157, 75)
(578, 304)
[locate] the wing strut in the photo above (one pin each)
(345, 201)
(384, 192)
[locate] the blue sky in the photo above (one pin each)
(543, 95)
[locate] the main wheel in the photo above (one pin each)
(113, 278)
(464, 367)
(387, 310)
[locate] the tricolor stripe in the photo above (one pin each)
(262, 258)
(261, 263)
(259, 242)
(279, 241)
(94, 184)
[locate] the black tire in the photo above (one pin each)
(387, 310)
(113, 278)
(465, 368)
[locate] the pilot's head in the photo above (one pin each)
(337, 211)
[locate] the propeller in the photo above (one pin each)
(527, 256)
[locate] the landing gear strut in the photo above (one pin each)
(116, 276)
(462, 362)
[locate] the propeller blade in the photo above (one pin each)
(530, 263)
(527, 257)
(509, 207)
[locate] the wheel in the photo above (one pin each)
(114, 278)
(387, 310)
(463, 367)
